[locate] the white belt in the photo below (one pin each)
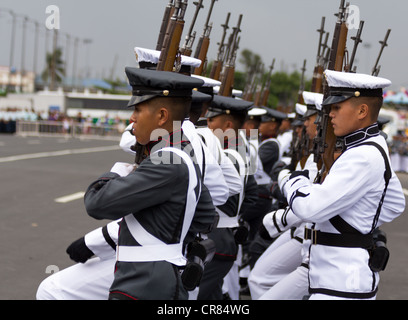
(166, 252)
(226, 221)
(153, 249)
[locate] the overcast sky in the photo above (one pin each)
(284, 30)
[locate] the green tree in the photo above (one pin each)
(49, 66)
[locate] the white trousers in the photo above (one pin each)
(82, 281)
(292, 287)
(281, 258)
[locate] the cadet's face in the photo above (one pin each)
(311, 127)
(143, 124)
(222, 127)
(268, 129)
(298, 131)
(344, 118)
(217, 122)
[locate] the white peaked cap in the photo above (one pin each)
(313, 98)
(346, 85)
(235, 92)
(301, 109)
(208, 82)
(256, 111)
(152, 56)
(339, 79)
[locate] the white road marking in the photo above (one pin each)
(405, 191)
(57, 153)
(70, 197)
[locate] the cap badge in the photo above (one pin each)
(166, 93)
(357, 93)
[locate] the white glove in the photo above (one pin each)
(279, 221)
(122, 168)
(127, 140)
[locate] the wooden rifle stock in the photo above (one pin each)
(266, 91)
(326, 138)
(168, 13)
(170, 51)
(227, 82)
(216, 70)
(204, 43)
(317, 82)
(202, 55)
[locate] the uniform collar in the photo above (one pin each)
(360, 135)
(175, 138)
(233, 143)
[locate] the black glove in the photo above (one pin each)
(295, 174)
(78, 251)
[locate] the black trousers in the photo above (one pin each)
(212, 280)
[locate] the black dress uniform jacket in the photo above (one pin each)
(156, 195)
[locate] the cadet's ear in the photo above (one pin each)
(363, 111)
(229, 125)
(163, 116)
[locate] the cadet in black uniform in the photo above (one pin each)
(269, 154)
(158, 199)
(226, 116)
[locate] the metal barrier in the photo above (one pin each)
(68, 129)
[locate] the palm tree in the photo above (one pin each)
(50, 67)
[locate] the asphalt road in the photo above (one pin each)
(35, 229)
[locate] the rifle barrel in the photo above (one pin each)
(384, 44)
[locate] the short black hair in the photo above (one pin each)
(179, 106)
(374, 104)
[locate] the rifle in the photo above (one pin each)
(251, 79)
(266, 91)
(168, 12)
(218, 63)
(227, 82)
(319, 67)
(302, 83)
(188, 44)
(170, 53)
(298, 144)
(357, 41)
(376, 69)
(325, 140)
(204, 43)
(257, 88)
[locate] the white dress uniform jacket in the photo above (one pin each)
(352, 190)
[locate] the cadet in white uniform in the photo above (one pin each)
(360, 193)
(281, 272)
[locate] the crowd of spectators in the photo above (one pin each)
(399, 151)
(56, 121)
